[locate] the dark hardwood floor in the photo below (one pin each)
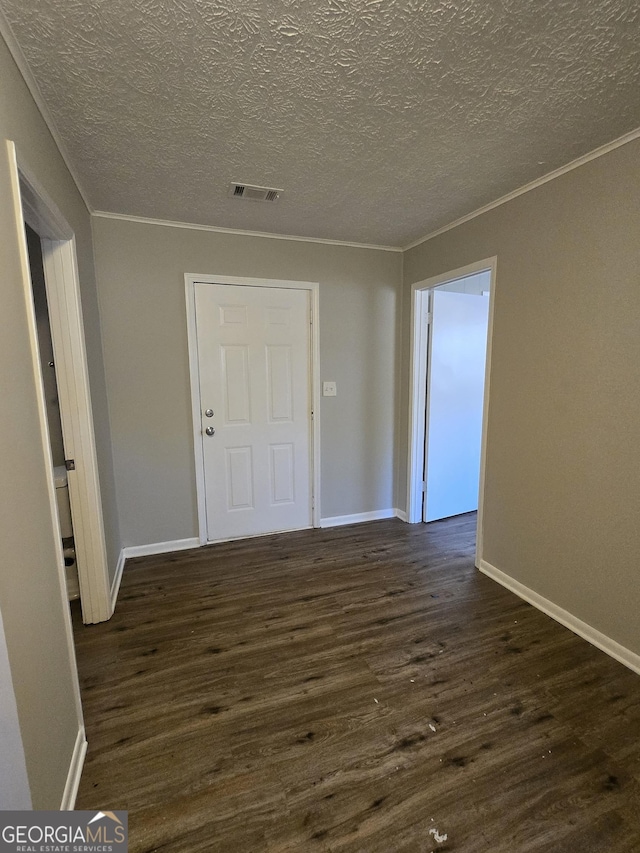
(356, 689)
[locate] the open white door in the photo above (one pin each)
(255, 403)
(455, 394)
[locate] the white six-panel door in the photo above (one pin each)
(253, 351)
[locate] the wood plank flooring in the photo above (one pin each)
(357, 690)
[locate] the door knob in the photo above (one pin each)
(210, 431)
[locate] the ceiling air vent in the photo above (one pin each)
(254, 193)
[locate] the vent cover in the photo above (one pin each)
(253, 193)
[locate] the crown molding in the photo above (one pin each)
(18, 56)
(550, 176)
(23, 67)
(102, 214)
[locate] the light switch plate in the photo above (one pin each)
(329, 389)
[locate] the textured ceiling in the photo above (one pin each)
(383, 120)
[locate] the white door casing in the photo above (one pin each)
(417, 388)
(251, 348)
(33, 205)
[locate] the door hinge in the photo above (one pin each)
(70, 464)
(424, 487)
(428, 318)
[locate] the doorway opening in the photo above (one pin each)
(35, 209)
(450, 367)
(52, 401)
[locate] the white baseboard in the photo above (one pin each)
(582, 629)
(160, 547)
(402, 515)
(357, 518)
(117, 580)
(75, 772)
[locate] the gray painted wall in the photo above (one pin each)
(140, 271)
(14, 785)
(34, 611)
(562, 498)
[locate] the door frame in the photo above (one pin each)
(420, 295)
(33, 205)
(313, 287)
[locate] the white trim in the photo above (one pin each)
(315, 402)
(160, 547)
(38, 208)
(23, 67)
(191, 279)
(485, 411)
(601, 641)
(418, 380)
(194, 376)
(402, 515)
(117, 579)
(532, 185)
(417, 402)
(358, 518)
(217, 229)
(37, 372)
(75, 772)
(20, 235)
(67, 333)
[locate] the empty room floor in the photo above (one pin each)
(361, 688)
